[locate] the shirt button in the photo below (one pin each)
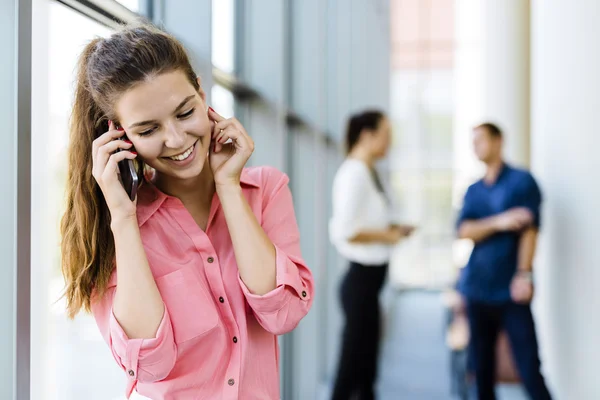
(210, 260)
(221, 299)
(231, 382)
(234, 339)
(131, 373)
(304, 293)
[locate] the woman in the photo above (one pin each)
(362, 230)
(191, 282)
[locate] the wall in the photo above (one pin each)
(565, 143)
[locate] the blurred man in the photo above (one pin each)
(501, 214)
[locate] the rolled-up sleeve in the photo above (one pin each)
(280, 310)
(530, 196)
(144, 360)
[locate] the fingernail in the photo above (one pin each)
(211, 109)
(110, 121)
(133, 152)
(127, 141)
(120, 129)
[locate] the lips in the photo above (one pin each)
(183, 156)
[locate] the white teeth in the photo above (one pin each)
(184, 155)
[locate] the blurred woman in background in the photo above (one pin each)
(363, 229)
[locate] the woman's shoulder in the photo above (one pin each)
(265, 176)
(352, 169)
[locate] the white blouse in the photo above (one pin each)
(358, 206)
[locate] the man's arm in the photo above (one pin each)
(521, 287)
(527, 246)
(513, 220)
(478, 229)
(469, 226)
(529, 197)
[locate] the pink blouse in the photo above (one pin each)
(216, 340)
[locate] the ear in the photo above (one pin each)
(365, 135)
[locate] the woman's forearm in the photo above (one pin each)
(254, 251)
(137, 305)
(373, 236)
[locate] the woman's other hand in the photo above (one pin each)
(227, 160)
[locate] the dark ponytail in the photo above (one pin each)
(357, 123)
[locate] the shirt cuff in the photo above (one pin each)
(143, 356)
(289, 286)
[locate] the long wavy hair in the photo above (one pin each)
(107, 68)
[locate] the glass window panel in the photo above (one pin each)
(335, 267)
(223, 33)
(223, 101)
(70, 360)
(133, 5)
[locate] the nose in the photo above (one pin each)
(175, 136)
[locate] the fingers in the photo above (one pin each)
(228, 129)
(215, 116)
(107, 137)
(104, 152)
(523, 212)
(221, 135)
(113, 162)
(223, 132)
(520, 218)
(113, 146)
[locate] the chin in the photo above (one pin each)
(189, 173)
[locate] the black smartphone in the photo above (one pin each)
(129, 176)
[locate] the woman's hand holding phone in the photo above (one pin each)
(106, 171)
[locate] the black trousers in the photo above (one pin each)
(357, 369)
(486, 321)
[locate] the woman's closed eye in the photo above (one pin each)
(186, 114)
(147, 132)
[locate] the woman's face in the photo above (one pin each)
(381, 138)
(166, 120)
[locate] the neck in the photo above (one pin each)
(198, 190)
(493, 170)
(363, 155)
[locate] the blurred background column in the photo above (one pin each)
(492, 83)
(565, 143)
(421, 109)
(491, 80)
(15, 199)
(191, 22)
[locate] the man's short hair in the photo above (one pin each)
(492, 129)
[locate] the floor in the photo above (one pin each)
(415, 361)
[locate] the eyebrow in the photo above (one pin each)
(177, 109)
